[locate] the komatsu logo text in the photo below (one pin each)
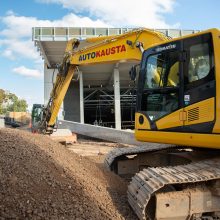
(103, 52)
(167, 47)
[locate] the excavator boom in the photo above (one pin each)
(111, 49)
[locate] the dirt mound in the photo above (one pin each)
(41, 179)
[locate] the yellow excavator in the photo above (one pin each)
(178, 107)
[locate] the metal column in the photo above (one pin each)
(117, 99)
(81, 98)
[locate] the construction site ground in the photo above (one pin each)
(42, 179)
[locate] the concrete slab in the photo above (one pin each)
(108, 134)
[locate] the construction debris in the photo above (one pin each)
(42, 179)
(64, 136)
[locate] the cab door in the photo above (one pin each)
(160, 96)
(199, 84)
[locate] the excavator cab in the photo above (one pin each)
(36, 116)
(177, 91)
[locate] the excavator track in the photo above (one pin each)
(152, 181)
(115, 154)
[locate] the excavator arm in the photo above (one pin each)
(110, 49)
(63, 79)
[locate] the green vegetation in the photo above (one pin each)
(9, 102)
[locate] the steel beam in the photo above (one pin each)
(117, 99)
(81, 97)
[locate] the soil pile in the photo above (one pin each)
(41, 179)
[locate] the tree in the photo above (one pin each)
(2, 96)
(2, 100)
(10, 102)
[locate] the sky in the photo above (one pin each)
(21, 67)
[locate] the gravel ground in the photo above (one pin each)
(41, 179)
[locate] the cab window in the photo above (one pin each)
(161, 82)
(162, 70)
(199, 65)
(199, 62)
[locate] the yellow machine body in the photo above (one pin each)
(195, 123)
